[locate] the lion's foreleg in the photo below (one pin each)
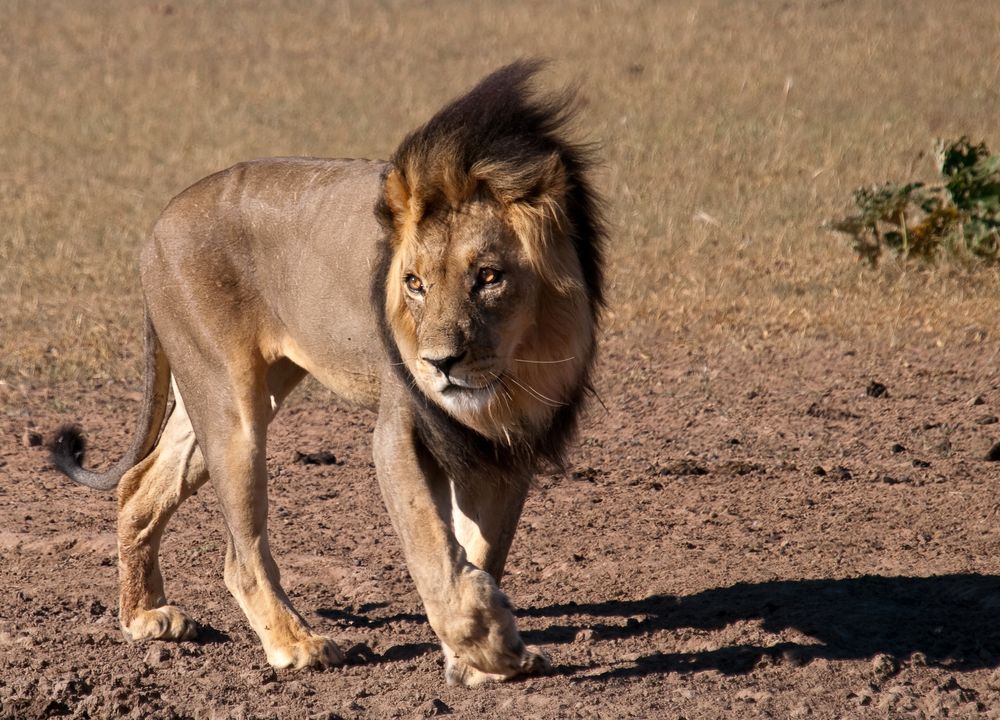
(464, 605)
(485, 512)
(148, 496)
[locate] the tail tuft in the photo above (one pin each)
(67, 449)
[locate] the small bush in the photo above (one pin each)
(959, 218)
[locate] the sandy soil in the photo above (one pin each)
(745, 532)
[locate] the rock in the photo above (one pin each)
(897, 448)
(156, 655)
(987, 420)
(588, 474)
(323, 457)
(994, 454)
(884, 666)
(584, 635)
(977, 400)
(841, 473)
(876, 389)
(31, 439)
(818, 470)
(436, 706)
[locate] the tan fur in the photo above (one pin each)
(550, 349)
(260, 274)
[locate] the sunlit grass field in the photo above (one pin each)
(730, 132)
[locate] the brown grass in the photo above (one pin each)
(730, 132)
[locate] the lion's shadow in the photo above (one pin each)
(950, 620)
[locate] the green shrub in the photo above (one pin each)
(959, 218)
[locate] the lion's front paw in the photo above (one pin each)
(532, 661)
(162, 623)
(314, 651)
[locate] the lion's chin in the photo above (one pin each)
(465, 402)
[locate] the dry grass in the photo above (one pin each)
(731, 131)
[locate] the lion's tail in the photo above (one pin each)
(67, 448)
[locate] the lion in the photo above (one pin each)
(456, 290)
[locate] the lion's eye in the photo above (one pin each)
(489, 276)
(414, 284)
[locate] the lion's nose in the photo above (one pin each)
(443, 364)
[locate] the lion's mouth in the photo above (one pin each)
(457, 387)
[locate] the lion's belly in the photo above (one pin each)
(352, 376)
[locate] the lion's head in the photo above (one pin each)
(492, 281)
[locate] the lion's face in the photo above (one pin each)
(471, 295)
(485, 296)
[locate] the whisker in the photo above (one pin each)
(402, 362)
(545, 362)
(506, 398)
(505, 394)
(534, 393)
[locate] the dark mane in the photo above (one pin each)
(502, 126)
(502, 122)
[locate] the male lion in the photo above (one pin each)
(455, 289)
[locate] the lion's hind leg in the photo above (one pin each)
(233, 432)
(148, 496)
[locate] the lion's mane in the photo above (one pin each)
(502, 136)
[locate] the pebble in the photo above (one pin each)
(841, 473)
(323, 457)
(437, 706)
(876, 389)
(156, 655)
(884, 666)
(30, 439)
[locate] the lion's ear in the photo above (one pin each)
(397, 196)
(551, 183)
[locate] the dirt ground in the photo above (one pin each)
(742, 534)
(780, 507)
